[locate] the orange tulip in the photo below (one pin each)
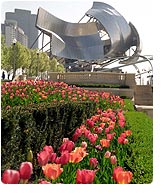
(52, 171)
(77, 155)
(105, 142)
(124, 177)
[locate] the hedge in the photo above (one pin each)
(33, 127)
(140, 147)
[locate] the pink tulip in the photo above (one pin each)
(84, 144)
(107, 154)
(93, 162)
(26, 169)
(48, 148)
(67, 146)
(113, 159)
(41, 181)
(11, 177)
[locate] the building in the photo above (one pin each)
(11, 31)
(26, 21)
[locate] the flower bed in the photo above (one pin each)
(94, 154)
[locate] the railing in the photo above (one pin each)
(94, 77)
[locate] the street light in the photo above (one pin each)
(14, 61)
(37, 62)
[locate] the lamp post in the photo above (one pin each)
(14, 59)
(37, 63)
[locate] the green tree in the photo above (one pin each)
(18, 57)
(5, 55)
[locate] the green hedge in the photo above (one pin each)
(33, 127)
(93, 85)
(140, 148)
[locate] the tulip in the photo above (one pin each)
(43, 158)
(77, 155)
(48, 148)
(122, 177)
(53, 157)
(113, 159)
(128, 132)
(67, 146)
(26, 169)
(116, 170)
(105, 142)
(120, 140)
(64, 158)
(109, 136)
(98, 147)
(84, 144)
(11, 177)
(93, 162)
(90, 123)
(85, 176)
(107, 154)
(52, 171)
(41, 181)
(121, 123)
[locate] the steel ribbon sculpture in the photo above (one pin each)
(106, 36)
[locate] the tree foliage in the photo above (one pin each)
(30, 61)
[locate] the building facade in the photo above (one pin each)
(11, 31)
(25, 21)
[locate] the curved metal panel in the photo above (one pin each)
(115, 25)
(71, 40)
(83, 41)
(80, 47)
(50, 22)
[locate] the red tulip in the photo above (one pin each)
(10, 177)
(26, 169)
(85, 176)
(116, 170)
(43, 158)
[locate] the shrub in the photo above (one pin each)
(32, 127)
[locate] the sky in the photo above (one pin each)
(145, 15)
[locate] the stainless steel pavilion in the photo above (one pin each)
(105, 38)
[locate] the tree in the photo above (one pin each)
(18, 57)
(5, 55)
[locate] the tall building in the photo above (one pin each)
(11, 31)
(26, 21)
